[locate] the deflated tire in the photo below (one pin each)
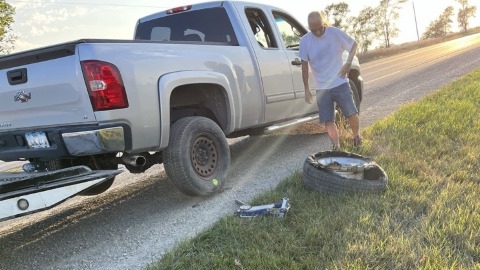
(197, 157)
(326, 179)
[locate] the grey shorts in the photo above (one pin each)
(341, 95)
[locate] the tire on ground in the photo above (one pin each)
(375, 179)
(197, 157)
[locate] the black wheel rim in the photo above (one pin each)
(204, 156)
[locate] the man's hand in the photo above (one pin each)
(345, 70)
(308, 96)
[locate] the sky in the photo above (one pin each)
(40, 23)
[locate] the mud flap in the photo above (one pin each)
(26, 193)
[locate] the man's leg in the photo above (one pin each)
(354, 122)
(344, 98)
(332, 131)
(327, 115)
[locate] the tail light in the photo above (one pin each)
(105, 85)
(179, 9)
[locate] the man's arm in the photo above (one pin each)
(352, 52)
(346, 67)
(308, 94)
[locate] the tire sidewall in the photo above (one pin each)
(180, 153)
(328, 182)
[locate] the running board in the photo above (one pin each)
(290, 123)
(27, 193)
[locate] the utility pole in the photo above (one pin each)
(415, 15)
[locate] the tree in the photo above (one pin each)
(388, 12)
(7, 38)
(441, 26)
(336, 14)
(364, 28)
(465, 13)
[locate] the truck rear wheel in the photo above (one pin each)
(197, 157)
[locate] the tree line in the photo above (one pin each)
(378, 24)
(7, 37)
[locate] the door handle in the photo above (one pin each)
(17, 76)
(297, 62)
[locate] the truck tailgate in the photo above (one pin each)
(43, 88)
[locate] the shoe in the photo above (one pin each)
(357, 141)
(336, 148)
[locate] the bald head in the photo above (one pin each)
(315, 23)
(314, 18)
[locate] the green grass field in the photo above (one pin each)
(428, 218)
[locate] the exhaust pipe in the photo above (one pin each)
(134, 160)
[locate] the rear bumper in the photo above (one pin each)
(92, 142)
(67, 142)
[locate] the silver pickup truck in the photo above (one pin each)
(192, 77)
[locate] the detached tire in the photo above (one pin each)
(319, 179)
(197, 157)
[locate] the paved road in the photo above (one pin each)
(143, 216)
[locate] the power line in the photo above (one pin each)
(416, 24)
(87, 4)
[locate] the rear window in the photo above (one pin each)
(205, 25)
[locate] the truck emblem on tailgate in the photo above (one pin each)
(23, 97)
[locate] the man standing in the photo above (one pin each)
(322, 49)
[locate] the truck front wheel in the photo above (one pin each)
(197, 157)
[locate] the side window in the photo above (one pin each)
(290, 30)
(260, 28)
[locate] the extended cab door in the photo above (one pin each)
(274, 66)
(290, 32)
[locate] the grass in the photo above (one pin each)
(428, 218)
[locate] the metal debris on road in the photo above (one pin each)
(278, 209)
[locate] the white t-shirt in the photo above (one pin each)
(324, 55)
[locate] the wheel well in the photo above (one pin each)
(208, 100)
(353, 75)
